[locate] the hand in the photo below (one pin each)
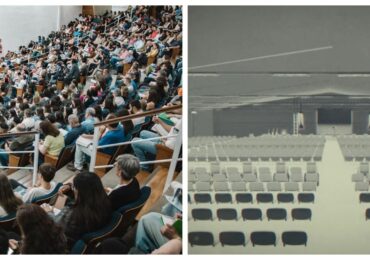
(64, 189)
(47, 207)
(13, 244)
(156, 119)
(178, 215)
(169, 232)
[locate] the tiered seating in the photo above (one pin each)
(355, 147)
(264, 148)
(251, 192)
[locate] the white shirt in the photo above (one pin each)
(170, 142)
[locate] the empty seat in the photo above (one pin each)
(311, 167)
(281, 177)
(301, 214)
(201, 239)
(192, 177)
(264, 197)
(276, 214)
(280, 167)
(252, 214)
(249, 177)
(306, 197)
(265, 176)
(364, 168)
(365, 197)
(203, 186)
(202, 198)
(204, 176)
(227, 214)
(361, 186)
(215, 167)
(296, 176)
(200, 170)
(219, 177)
(221, 186)
(312, 177)
(294, 238)
(223, 198)
(191, 186)
(230, 170)
(256, 186)
(247, 168)
(244, 198)
(273, 186)
(367, 214)
(232, 238)
(234, 177)
(285, 197)
(263, 238)
(201, 214)
(357, 177)
(238, 186)
(309, 186)
(291, 186)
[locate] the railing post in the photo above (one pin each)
(175, 156)
(35, 158)
(94, 150)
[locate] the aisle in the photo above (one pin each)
(338, 224)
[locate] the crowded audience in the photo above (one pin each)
(94, 69)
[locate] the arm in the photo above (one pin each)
(164, 125)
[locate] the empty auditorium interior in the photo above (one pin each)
(91, 129)
(278, 130)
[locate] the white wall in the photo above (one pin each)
(21, 24)
(116, 8)
(100, 9)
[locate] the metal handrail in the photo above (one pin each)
(135, 141)
(141, 163)
(147, 113)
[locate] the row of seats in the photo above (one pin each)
(234, 238)
(251, 177)
(252, 214)
(252, 186)
(248, 198)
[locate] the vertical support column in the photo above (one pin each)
(35, 158)
(94, 150)
(59, 17)
(175, 156)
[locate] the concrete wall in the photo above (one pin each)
(201, 124)
(21, 24)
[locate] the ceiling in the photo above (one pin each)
(253, 53)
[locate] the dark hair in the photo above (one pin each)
(112, 116)
(51, 118)
(98, 112)
(92, 208)
(8, 201)
(59, 118)
(47, 171)
(128, 125)
(109, 104)
(40, 113)
(136, 103)
(4, 242)
(40, 234)
(49, 129)
(78, 104)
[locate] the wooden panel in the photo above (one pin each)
(88, 10)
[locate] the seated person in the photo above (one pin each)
(88, 123)
(142, 149)
(4, 242)
(128, 189)
(75, 132)
(111, 134)
(89, 211)
(54, 140)
(9, 202)
(19, 143)
(44, 186)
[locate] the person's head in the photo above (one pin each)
(112, 125)
(92, 204)
(90, 112)
(4, 127)
(128, 125)
(48, 128)
(8, 201)
(47, 172)
(135, 106)
(128, 166)
(73, 120)
(4, 242)
(40, 234)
